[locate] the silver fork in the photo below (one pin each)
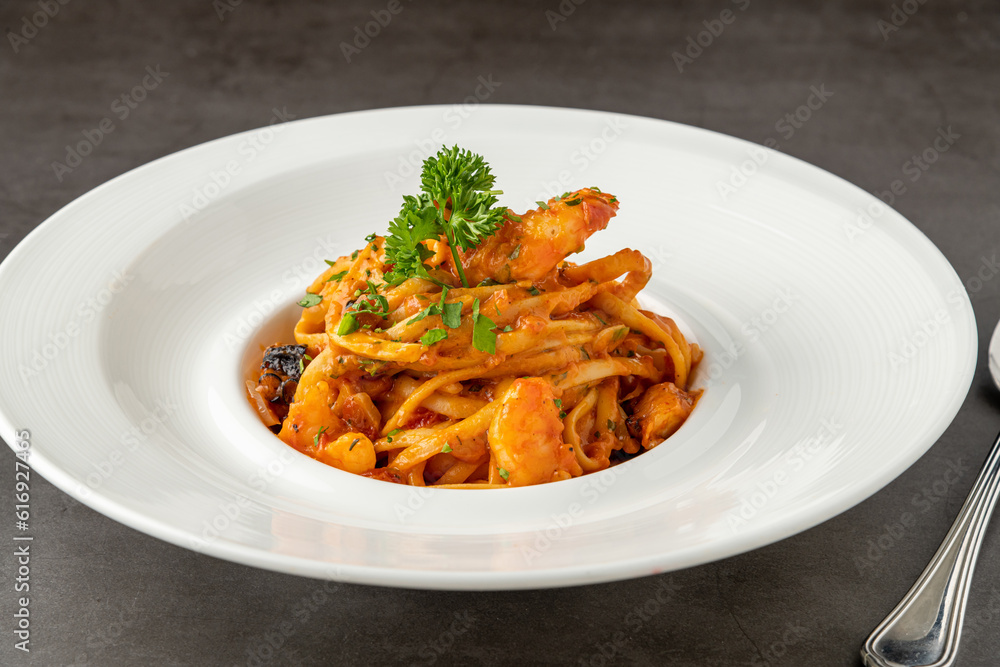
(925, 627)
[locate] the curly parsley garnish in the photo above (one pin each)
(457, 201)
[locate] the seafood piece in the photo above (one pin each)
(351, 452)
(526, 436)
(533, 247)
(311, 419)
(660, 412)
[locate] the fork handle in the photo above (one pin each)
(925, 627)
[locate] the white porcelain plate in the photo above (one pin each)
(839, 345)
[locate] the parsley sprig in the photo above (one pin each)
(457, 201)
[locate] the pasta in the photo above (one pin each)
(540, 370)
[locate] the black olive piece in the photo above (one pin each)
(286, 359)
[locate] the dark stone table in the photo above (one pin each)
(894, 74)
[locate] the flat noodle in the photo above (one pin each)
(400, 375)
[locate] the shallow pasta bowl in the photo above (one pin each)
(839, 344)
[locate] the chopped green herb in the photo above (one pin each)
(489, 282)
(446, 449)
(433, 336)
(336, 277)
(429, 310)
(572, 202)
(562, 415)
(516, 253)
(322, 429)
(371, 237)
(600, 319)
(354, 255)
(302, 367)
(558, 402)
(310, 300)
(372, 303)
(507, 329)
(394, 432)
(484, 338)
(451, 315)
(586, 356)
(611, 426)
(348, 325)
(503, 473)
(356, 441)
(534, 291)
(620, 333)
(542, 205)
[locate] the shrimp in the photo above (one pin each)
(531, 248)
(525, 436)
(311, 419)
(352, 452)
(660, 412)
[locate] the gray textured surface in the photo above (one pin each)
(104, 594)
